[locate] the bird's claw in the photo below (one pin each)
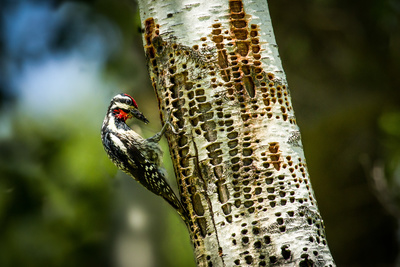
(168, 122)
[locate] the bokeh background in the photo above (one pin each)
(63, 203)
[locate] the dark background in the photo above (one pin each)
(62, 203)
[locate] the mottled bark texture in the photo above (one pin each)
(238, 155)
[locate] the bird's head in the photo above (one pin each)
(124, 107)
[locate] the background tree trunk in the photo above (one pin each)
(238, 155)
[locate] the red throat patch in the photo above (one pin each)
(122, 115)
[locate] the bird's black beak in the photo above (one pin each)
(139, 115)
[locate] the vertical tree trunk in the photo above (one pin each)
(238, 155)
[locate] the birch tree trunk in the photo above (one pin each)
(238, 155)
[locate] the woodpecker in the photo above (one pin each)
(138, 157)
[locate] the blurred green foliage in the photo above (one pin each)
(62, 202)
(55, 198)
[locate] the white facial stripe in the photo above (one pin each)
(121, 106)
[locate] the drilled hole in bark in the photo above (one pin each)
(248, 259)
(235, 167)
(226, 209)
(285, 252)
(232, 144)
(228, 122)
(197, 205)
(237, 203)
(201, 222)
(248, 204)
(204, 107)
(184, 163)
(182, 141)
(232, 135)
(247, 161)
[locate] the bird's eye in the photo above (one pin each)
(128, 101)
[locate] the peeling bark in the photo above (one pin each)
(238, 155)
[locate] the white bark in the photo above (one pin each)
(238, 155)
